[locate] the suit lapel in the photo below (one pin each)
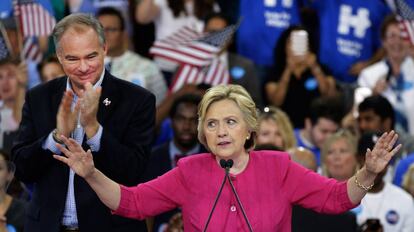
(109, 98)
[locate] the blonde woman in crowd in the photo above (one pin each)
(339, 156)
(13, 83)
(408, 180)
(276, 129)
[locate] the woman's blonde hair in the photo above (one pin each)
(283, 123)
(243, 100)
(408, 180)
(349, 138)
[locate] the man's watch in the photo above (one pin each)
(55, 137)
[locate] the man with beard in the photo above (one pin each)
(183, 115)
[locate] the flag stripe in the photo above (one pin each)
(35, 20)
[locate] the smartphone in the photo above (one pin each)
(299, 42)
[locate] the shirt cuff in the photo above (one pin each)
(50, 144)
(95, 142)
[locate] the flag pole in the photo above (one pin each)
(18, 29)
(6, 38)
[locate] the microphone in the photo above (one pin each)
(226, 165)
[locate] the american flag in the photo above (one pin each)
(31, 49)
(4, 45)
(36, 17)
(197, 53)
(406, 20)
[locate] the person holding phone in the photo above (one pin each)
(297, 78)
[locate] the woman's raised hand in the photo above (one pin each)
(379, 157)
(77, 159)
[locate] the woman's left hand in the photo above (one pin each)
(80, 161)
(379, 157)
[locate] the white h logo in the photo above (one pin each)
(360, 22)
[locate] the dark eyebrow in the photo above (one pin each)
(70, 57)
(92, 54)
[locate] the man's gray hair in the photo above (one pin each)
(78, 20)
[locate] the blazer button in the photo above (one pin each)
(233, 208)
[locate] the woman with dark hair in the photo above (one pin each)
(297, 77)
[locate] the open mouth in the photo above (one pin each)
(223, 143)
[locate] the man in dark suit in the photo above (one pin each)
(109, 116)
(183, 115)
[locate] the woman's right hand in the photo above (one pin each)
(77, 159)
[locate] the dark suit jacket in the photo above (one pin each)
(306, 220)
(124, 150)
(160, 163)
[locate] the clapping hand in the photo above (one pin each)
(379, 157)
(66, 117)
(77, 159)
(89, 104)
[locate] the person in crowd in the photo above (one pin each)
(17, 52)
(375, 113)
(12, 210)
(275, 128)
(50, 69)
(324, 119)
(110, 116)
(339, 156)
(261, 27)
(13, 83)
(391, 205)
(169, 16)
(183, 115)
(265, 180)
(304, 157)
(242, 70)
(163, 127)
(408, 180)
(392, 76)
(308, 220)
(348, 35)
(126, 64)
(297, 78)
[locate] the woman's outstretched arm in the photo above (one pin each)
(82, 164)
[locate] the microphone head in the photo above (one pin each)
(223, 163)
(226, 163)
(230, 163)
